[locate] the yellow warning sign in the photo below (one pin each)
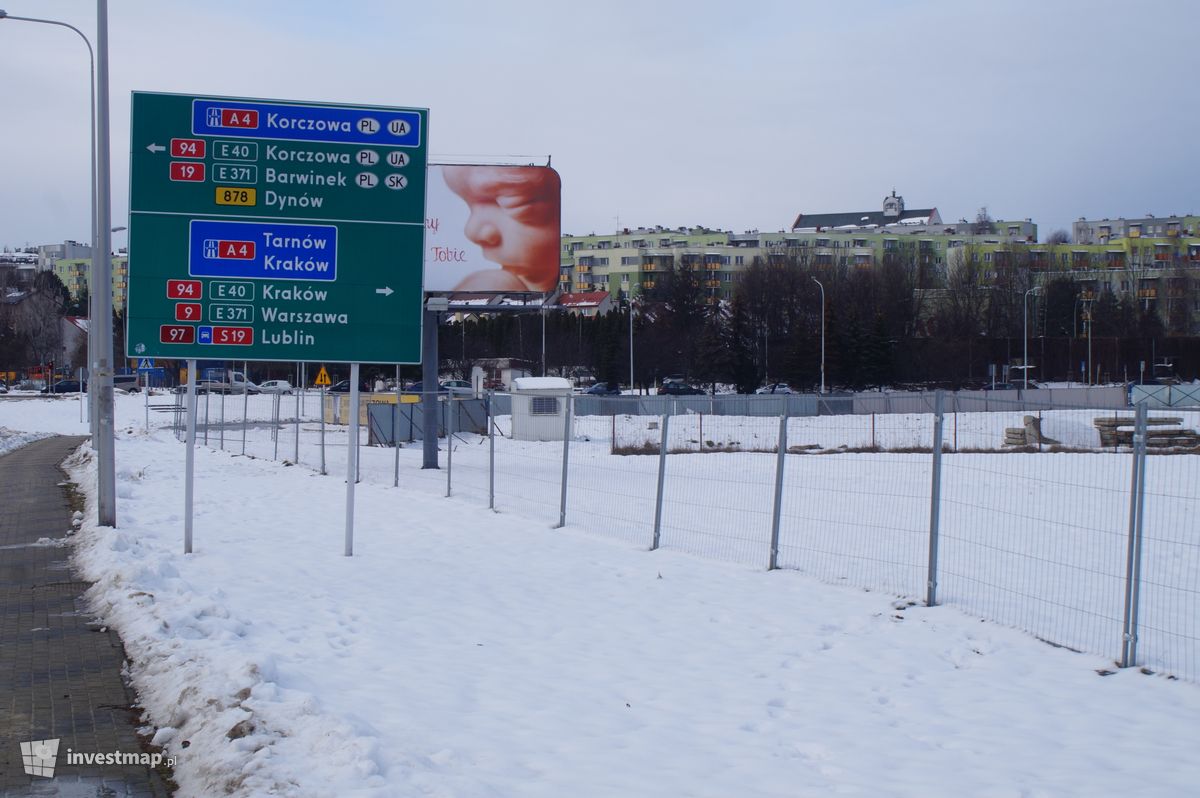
(323, 378)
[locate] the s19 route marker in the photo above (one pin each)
(263, 230)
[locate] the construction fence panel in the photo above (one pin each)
(717, 500)
(1037, 539)
(528, 475)
(850, 515)
(612, 488)
(1169, 607)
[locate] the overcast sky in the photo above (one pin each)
(733, 115)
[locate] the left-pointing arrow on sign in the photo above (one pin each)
(156, 148)
(386, 291)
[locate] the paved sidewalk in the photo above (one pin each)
(60, 675)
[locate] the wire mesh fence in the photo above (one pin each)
(1029, 515)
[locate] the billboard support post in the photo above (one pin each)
(429, 380)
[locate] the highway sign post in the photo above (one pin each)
(275, 230)
(279, 231)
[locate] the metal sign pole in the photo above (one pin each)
(351, 460)
(222, 436)
(190, 461)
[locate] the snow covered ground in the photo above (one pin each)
(467, 653)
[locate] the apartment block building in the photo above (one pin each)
(1162, 274)
(630, 261)
(73, 272)
(1104, 231)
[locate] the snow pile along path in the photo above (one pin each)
(462, 652)
(11, 439)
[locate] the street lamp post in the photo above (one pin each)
(100, 300)
(1025, 320)
(94, 288)
(818, 282)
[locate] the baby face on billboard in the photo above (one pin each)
(514, 220)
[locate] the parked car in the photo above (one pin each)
(604, 389)
(679, 389)
(225, 381)
(126, 382)
(458, 387)
(775, 387)
(275, 386)
(343, 386)
(65, 386)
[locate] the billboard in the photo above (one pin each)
(491, 228)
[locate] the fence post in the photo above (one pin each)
(245, 416)
(222, 436)
(396, 433)
(1133, 557)
(562, 502)
(322, 430)
(491, 426)
(775, 513)
(275, 426)
(935, 500)
(449, 441)
(296, 449)
(662, 470)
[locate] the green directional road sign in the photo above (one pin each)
(275, 230)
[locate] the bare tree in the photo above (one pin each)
(36, 319)
(960, 309)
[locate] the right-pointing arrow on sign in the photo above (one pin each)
(156, 148)
(386, 291)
